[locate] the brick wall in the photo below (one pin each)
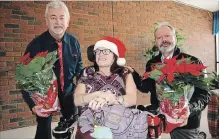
(132, 22)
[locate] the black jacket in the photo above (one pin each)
(198, 101)
(72, 61)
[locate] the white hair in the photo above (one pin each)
(166, 24)
(57, 4)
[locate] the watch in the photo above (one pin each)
(121, 100)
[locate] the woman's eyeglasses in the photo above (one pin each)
(104, 51)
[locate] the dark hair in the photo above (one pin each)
(90, 53)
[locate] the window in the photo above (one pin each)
(217, 52)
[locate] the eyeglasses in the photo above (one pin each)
(104, 51)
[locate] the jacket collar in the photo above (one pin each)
(52, 39)
(176, 51)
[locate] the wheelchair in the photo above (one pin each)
(68, 128)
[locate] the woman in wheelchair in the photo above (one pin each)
(105, 83)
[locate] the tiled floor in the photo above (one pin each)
(28, 132)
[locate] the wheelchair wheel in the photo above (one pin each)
(63, 135)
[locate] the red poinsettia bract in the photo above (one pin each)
(172, 66)
(169, 69)
(195, 69)
(25, 59)
(42, 54)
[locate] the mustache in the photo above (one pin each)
(165, 42)
(58, 26)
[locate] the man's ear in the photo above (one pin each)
(176, 39)
(46, 21)
(68, 22)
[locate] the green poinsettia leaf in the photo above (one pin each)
(155, 74)
(38, 74)
(158, 66)
(39, 61)
(177, 96)
(50, 59)
(36, 64)
(167, 95)
(18, 72)
(27, 72)
(51, 56)
(179, 62)
(188, 61)
(21, 72)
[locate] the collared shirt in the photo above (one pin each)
(169, 57)
(72, 61)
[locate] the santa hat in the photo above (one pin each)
(115, 45)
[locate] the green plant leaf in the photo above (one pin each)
(36, 64)
(32, 77)
(155, 74)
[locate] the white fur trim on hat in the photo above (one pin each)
(121, 61)
(108, 45)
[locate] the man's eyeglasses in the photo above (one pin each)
(104, 51)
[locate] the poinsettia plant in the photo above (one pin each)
(175, 83)
(35, 76)
(176, 74)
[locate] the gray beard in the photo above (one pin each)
(165, 50)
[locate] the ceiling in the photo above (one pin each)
(210, 5)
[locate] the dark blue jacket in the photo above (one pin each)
(72, 61)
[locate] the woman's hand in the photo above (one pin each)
(102, 98)
(109, 97)
(97, 103)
